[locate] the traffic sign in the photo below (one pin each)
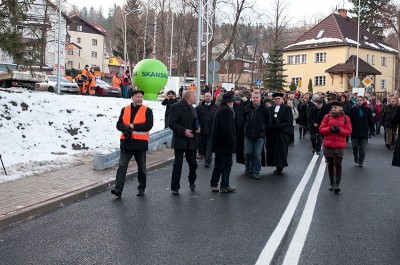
(213, 78)
(354, 81)
(259, 82)
(367, 81)
(214, 66)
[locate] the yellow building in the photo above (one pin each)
(327, 54)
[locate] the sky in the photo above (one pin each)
(296, 9)
(39, 129)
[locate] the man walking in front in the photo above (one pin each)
(361, 119)
(135, 122)
(183, 123)
(223, 144)
(255, 126)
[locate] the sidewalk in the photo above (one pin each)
(26, 198)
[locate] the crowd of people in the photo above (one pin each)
(259, 127)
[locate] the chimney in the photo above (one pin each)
(342, 12)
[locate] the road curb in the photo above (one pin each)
(47, 206)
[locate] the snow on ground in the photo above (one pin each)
(42, 131)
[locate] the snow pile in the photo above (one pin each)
(41, 131)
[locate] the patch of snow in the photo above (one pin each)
(387, 47)
(42, 131)
(315, 41)
(350, 41)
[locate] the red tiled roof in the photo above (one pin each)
(349, 67)
(338, 31)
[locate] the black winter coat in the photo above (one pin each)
(255, 121)
(396, 153)
(304, 109)
(389, 116)
(132, 144)
(224, 133)
(313, 118)
(205, 115)
(359, 124)
(182, 116)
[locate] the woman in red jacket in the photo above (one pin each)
(335, 127)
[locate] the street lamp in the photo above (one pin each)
(138, 9)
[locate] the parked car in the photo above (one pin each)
(104, 89)
(51, 85)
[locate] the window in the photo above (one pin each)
(320, 57)
(78, 40)
(222, 78)
(290, 59)
(69, 64)
(383, 84)
(384, 61)
(94, 42)
(79, 28)
(320, 33)
(368, 58)
(70, 52)
(246, 65)
(110, 61)
(297, 81)
(297, 59)
(79, 52)
(94, 54)
(372, 59)
(319, 80)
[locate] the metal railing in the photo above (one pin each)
(158, 141)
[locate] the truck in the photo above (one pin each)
(10, 76)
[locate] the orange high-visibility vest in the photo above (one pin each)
(139, 118)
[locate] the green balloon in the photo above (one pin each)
(150, 75)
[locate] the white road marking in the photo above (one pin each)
(296, 245)
(273, 243)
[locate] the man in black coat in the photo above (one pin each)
(223, 144)
(313, 126)
(279, 130)
(205, 113)
(184, 124)
(396, 153)
(361, 119)
(135, 122)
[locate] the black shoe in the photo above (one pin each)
(313, 151)
(356, 160)
(331, 188)
(175, 192)
(206, 165)
(337, 189)
(360, 164)
(248, 173)
(140, 192)
(227, 189)
(116, 193)
(278, 170)
(192, 187)
(388, 146)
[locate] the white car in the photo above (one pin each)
(51, 85)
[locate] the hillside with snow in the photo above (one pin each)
(41, 131)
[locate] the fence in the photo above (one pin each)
(158, 141)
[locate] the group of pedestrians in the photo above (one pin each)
(259, 129)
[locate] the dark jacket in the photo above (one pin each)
(361, 123)
(389, 115)
(396, 153)
(304, 109)
(205, 115)
(182, 116)
(224, 133)
(168, 102)
(283, 123)
(313, 118)
(255, 121)
(326, 108)
(132, 144)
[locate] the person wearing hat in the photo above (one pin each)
(184, 123)
(255, 119)
(313, 126)
(279, 130)
(335, 127)
(135, 122)
(361, 120)
(223, 144)
(85, 74)
(168, 101)
(126, 82)
(327, 107)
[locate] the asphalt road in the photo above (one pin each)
(359, 226)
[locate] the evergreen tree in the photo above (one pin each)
(274, 78)
(12, 12)
(372, 15)
(310, 87)
(292, 86)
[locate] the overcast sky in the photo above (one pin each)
(296, 9)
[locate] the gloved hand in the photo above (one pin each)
(335, 129)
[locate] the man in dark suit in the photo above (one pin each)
(223, 144)
(279, 130)
(184, 124)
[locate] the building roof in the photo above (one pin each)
(338, 30)
(98, 29)
(349, 67)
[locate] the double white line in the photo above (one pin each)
(299, 238)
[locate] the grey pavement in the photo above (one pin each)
(28, 197)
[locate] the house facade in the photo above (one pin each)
(327, 54)
(86, 43)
